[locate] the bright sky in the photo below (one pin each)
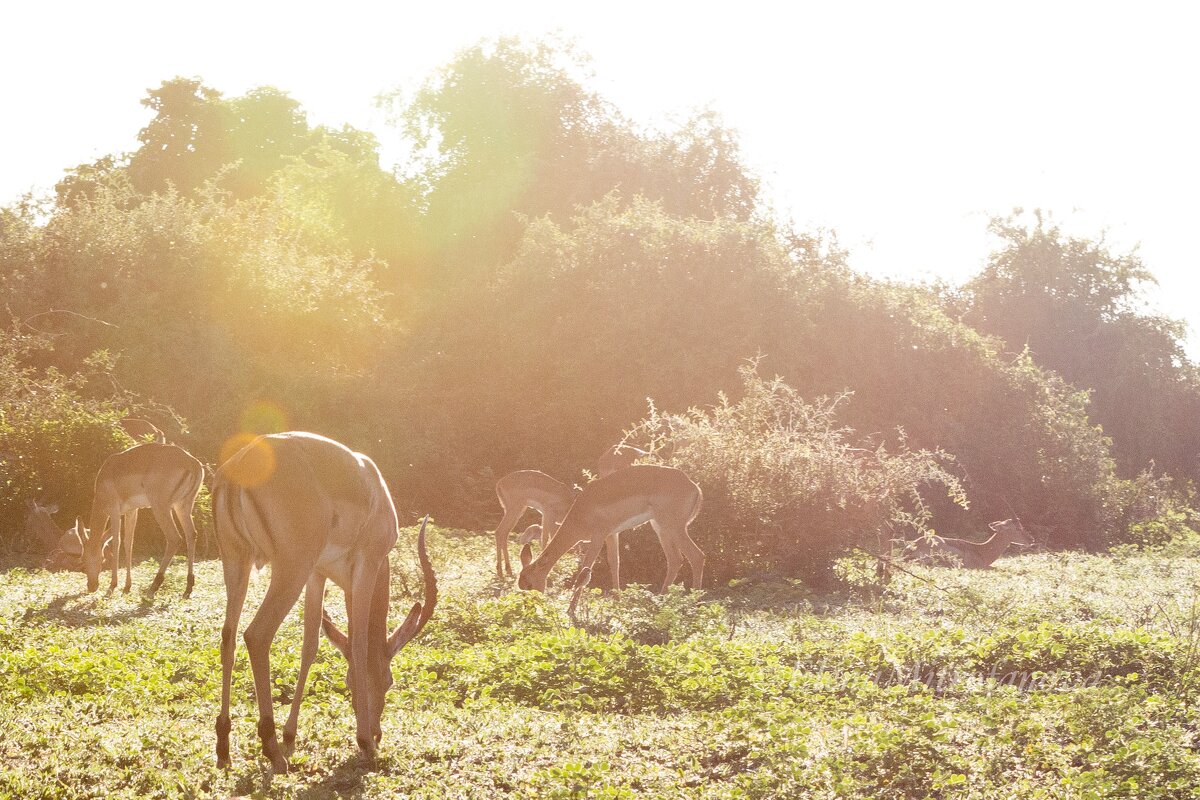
(902, 126)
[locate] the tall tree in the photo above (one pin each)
(1078, 308)
(186, 141)
(509, 130)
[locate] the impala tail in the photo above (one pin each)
(229, 503)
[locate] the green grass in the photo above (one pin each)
(1052, 675)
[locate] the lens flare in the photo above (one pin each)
(248, 460)
(264, 416)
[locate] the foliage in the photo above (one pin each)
(1076, 305)
(53, 436)
(535, 271)
(788, 489)
(509, 130)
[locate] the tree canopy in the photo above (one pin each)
(513, 295)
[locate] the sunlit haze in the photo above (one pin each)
(903, 127)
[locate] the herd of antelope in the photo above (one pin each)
(317, 511)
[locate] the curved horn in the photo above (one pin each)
(420, 613)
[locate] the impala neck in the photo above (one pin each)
(993, 548)
(562, 541)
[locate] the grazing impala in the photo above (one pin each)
(528, 488)
(619, 456)
(164, 478)
(315, 511)
(64, 550)
(662, 496)
(973, 555)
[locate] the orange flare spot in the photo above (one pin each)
(247, 459)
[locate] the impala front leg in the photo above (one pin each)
(358, 677)
(314, 598)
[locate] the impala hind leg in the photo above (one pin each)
(183, 513)
(237, 579)
(677, 546)
(612, 548)
(282, 593)
(128, 528)
(314, 599)
(503, 566)
(171, 537)
(115, 524)
(695, 558)
(666, 534)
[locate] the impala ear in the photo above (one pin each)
(335, 637)
(534, 531)
(526, 555)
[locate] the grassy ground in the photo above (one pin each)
(1051, 675)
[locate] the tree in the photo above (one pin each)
(196, 135)
(186, 141)
(509, 131)
(1077, 307)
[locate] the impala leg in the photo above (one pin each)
(282, 593)
(237, 579)
(591, 552)
(171, 538)
(694, 555)
(314, 599)
(129, 528)
(666, 538)
(550, 523)
(503, 566)
(358, 617)
(183, 512)
(612, 547)
(115, 524)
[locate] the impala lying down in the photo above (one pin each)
(972, 555)
(315, 511)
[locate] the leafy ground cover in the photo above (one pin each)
(1051, 675)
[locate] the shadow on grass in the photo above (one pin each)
(79, 609)
(83, 615)
(346, 780)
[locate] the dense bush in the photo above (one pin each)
(788, 489)
(53, 436)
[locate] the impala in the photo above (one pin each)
(662, 496)
(163, 477)
(41, 526)
(64, 550)
(619, 456)
(528, 488)
(974, 555)
(315, 511)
